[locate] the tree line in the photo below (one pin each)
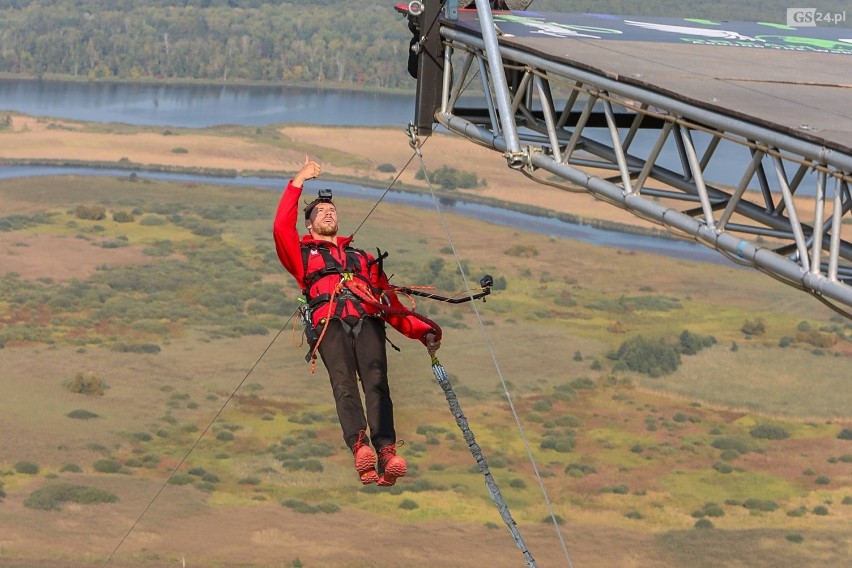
(347, 42)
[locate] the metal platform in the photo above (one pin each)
(736, 135)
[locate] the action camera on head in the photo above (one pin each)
(323, 196)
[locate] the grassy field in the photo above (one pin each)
(738, 457)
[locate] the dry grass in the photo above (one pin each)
(534, 339)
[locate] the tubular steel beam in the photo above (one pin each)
(565, 119)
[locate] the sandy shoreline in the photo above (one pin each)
(344, 152)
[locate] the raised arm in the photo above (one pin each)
(284, 230)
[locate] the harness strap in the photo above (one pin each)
(365, 295)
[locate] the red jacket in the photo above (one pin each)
(290, 251)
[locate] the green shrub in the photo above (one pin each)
(582, 383)
(713, 510)
(795, 537)
(652, 358)
(769, 432)
(181, 479)
(305, 465)
(87, 383)
(90, 212)
(562, 445)
(729, 455)
(136, 348)
(71, 468)
(822, 480)
(122, 217)
(691, 343)
(153, 221)
(845, 434)
(569, 421)
(847, 500)
(731, 444)
(409, 504)
(51, 497)
(564, 393)
(386, 168)
(450, 178)
(579, 469)
(328, 508)
(760, 505)
(754, 328)
(180, 150)
(81, 414)
(306, 508)
(635, 515)
(820, 510)
(26, 468)
(518, 484)
(703, 524)
(107, 466)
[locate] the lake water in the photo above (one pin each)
(200, 106)
(203, 106)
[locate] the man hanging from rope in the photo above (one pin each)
(349, 300)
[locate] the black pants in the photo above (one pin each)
(353, 352)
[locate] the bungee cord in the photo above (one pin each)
(443, 380)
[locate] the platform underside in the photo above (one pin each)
(794, 81)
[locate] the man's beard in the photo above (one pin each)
(326, 230)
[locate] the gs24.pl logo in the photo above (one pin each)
(812, 17)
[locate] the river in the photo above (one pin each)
(194, 106)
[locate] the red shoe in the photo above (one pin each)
(391, 465)
(365, 461)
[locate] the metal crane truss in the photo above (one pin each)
(746, 151)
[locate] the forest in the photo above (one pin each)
(357, 43)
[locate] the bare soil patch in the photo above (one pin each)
(61, 258)
(63, 140)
